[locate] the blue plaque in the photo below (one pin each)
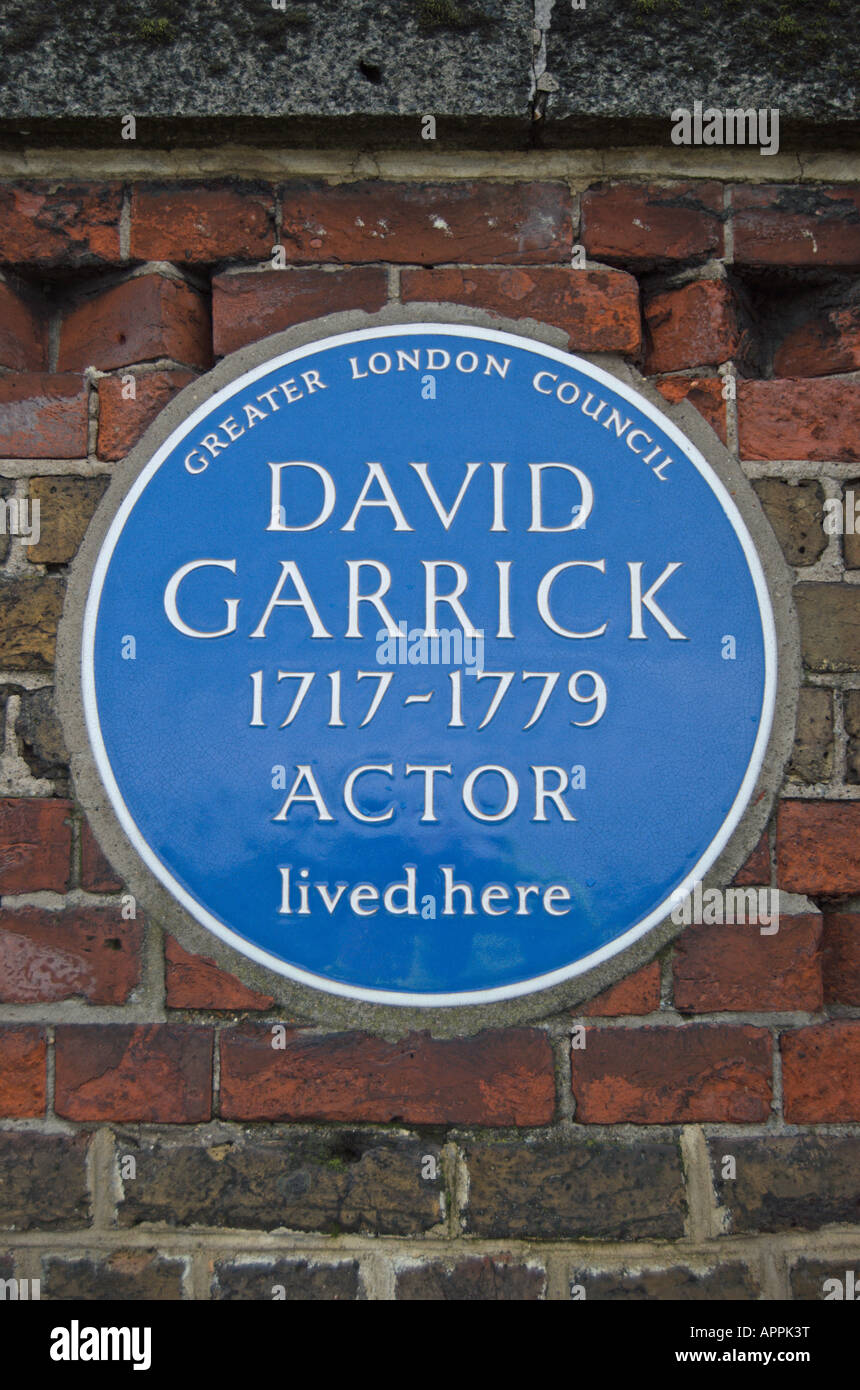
(428, 665)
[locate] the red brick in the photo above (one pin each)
(704, 392)
(756, 871)
(700, 1072)
(247, 307)
(651, 224)
(694, 325)
(597, 308)
(73, 224)
(97, 876)
(821, 1073)
(726, 967)
(35, 845)
(196, 982)
(146, 317)
(202, 222)
(495, 1078)
(639, 993)
(788, 225)
(826, 342)
(23, 1071)
(146, 1073)
(79, 952)
(123, 421)
(23, 332)
(43, 415)
(428, 224)
(840, 958)
(818, 847)
(797, 419)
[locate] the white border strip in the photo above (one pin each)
(376, 996)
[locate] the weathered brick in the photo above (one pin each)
(851, 539)
(294, 1280)
(428, 224)
(77, 952)
(496, 1078)
(817, 420)
(97, 876)
(124, 1276)
(638, 993)
(814, 1279)
(202, 222)
(43, 1181)
(595, 1189)
(480, 1279)
(23, 1071)
(328, 1181)
(122, 420)
(699, 1072)
(826, 341)
(785, 1183)
(840, 958)
(66, 507)
(756, 870)
(246, 308)
(68, 224)
(851, 715)
(812, 758)
(790, 225)
(650, 224)
(821, 1073)
(818, 847)
(678, 1283)
(829, 626)
(704, 392)
(30, 610)
(727, 967)
(694, 325)
(155, 1073)
(40, 735)
(598, 308)
(35, 845)
(196, 982)
(796, 513)
(23, 331)
(43, 415)
(145, 317)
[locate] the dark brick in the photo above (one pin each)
(787, 1183)
(796, 513)
(812, 759)
(300, 1280)
(97, 876)
(30, 610)
(43, 1182)
(677, 1283)
(473, 1280)
(590, 1188)
(851, 711)
(326, 1181)
(66, 507)
(41, 736)
(126, 1276)
(808, 1278)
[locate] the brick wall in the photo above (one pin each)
(152, 1143)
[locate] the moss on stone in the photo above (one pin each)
(155, 30)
